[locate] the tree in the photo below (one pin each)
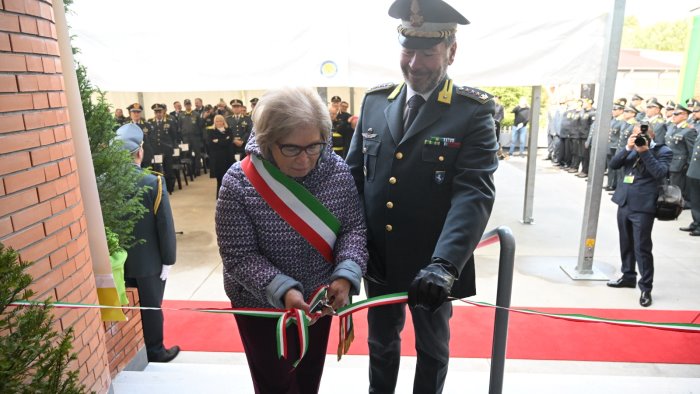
(33, 357)
(120, 197)
(662, 36)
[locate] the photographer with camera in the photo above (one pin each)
(645, 164)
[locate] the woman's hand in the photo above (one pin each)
(294, 299)
(338, 293)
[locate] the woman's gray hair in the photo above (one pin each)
(282, 110)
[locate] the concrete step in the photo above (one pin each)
(226, 373)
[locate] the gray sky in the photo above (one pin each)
(651, 11)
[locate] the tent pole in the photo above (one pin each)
(532, 155)
(584, 269)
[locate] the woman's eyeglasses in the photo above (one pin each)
(290, 150)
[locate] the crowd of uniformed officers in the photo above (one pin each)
(675, 125)
(193, 133)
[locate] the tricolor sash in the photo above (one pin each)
(293, 203)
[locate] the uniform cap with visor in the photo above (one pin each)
(131, 137)
(425, 23)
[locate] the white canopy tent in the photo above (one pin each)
(176, 45)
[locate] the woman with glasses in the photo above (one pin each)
(288, 221)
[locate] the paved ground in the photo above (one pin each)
(538, 282)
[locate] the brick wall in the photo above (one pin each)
(124, 339)
(41, 212)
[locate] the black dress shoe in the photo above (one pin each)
(689, 228)
(622, 282)
(167, 356)
(645, 299)
(695, 233)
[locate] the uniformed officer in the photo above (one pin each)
(692, 103)
(190, 126)
(135, 112)
(655, 120)
(423, 157)
(342, 131)
(587, 120)
(638, 103)
(629, 119)
(681, 139)
(148, 263)
(162, 140)
(576, 138)
(253, 103)
(241, 125)
(119, 117)
(669, 108)
(566, 132)
(616, 124)
(693, 179)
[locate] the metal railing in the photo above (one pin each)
(504, 236)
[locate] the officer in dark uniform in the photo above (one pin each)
(616, 124)
(253, 103)
(148, 264)
(693, 179)
(135, 112)
(342, 131)
(119, 117)
(162, 140)
(629, 119)
(577, 137)
(587, 120)
(190, 126)
(681, 139)
(566, 132)
(423, 157)
(655, 120)
(670, 107)
(637, 102)
(695, 118)
(241, 125)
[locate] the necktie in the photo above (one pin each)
(414, 104)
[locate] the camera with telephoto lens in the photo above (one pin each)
(643, 138)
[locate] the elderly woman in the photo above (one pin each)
(288, 221)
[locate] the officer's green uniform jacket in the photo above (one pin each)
(658, 124)
(430, 194)
(614, 134)
(681, 139)
(626, 131)
(156, 228)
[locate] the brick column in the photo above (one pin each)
(41, 212)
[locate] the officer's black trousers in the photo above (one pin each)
(635, 245)
(563, 146)
(151, 289)
(694, 194)
(613, 175)
(384, 338)
(679, 179)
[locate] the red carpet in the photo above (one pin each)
(530, 337)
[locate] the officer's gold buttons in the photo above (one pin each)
(389, 204)
(399, 155)
(389, 227)
(441, 158)
(392, 180)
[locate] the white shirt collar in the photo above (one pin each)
(410, 93)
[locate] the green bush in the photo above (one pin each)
(33, 357)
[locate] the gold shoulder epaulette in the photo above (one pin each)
(380, 88)
(632, 121)
(475, 94)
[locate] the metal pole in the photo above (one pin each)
(503, 294)
(611, 53)
(531, 155)
(352, 100)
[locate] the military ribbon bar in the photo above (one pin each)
(293, 203)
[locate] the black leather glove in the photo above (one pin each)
(432, 285)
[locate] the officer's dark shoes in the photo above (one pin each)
(645, 299)
(689, 228)
(166, 356)
(696, 232)
(622, 282)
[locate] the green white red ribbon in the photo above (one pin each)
(296, 205)
(303, 320)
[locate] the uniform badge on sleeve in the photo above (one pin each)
(439, 177)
